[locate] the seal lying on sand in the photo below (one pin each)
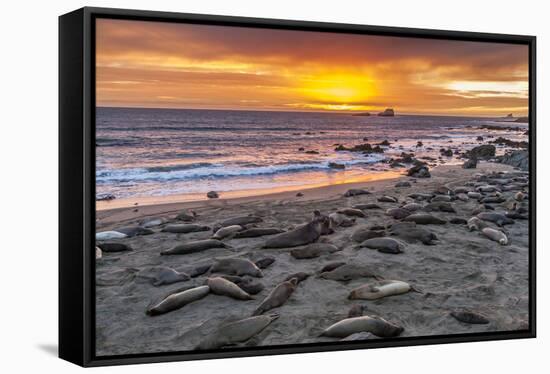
(236, 266)
(499, 219)
(424, 219)
(248, 285)
(221, 286)
(356, 310)
(132, 231)
(467, 316)
(356, 192)
(186, 216)
(227, 232)
(381, 289)
(475, 223)
(152, 222)
(109, 235)
(109, 247)
(242, 221)
(331, 266)
(340, 220)
(496, 235)
(384, 245)
(258, 231)
(374, 325)
(440, 206)
(164, 276)
(300, 277)
(364, 233)
(277, 297)
(314, 250)
(264, 262)
(303, 235)
(411, 233)
(237, 332)
(367, 206)
(412, 207)
(178, 300)
(194, 246)
(184, 228)
(387, 199)
(352, 212)
(398, 213)
(348, 272)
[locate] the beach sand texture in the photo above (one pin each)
(463, 270)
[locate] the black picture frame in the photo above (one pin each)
(77, 184)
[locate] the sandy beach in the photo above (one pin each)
(461, 270)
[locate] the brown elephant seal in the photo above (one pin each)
(499, 219)
(475, 223)
(331, 266)
(467, 316)
(300, 277)
(132, 231)
(186, 216)
(379, 290)
(313, 250)
(366, 206)
(227, 232)
(178, 300)
(164, 276)
(194, 246)
(111, 247)
(340, 220)
(199, 270)
(237, 332)
(348, 272)
(277, 297)
(440, 206)
(264, 262)
(384, 245)
(241, 221)
(387, 199)
(424, 219)
(184, 228)
(152, 222)
(255, 232)
(248, 285)
(303, 235)
(375, 325)
(352, 212)
(224, 287)
(364, 233)
(495, 235)
(398, 213)
(411, 233)
(356, 310)
(412, 207)
(236, 266)
(356, 192)
(519, 196)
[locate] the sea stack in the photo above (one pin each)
(387, 113)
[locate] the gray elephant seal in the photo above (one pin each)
(470, 317)
(366, 206)
(236, 266)
(264, 262)
(132, 231)
(348, 272)
(384, 245)
(184, 228)
(224, 287)
(227, 232)
(398, 213)
(356, 310)
(199, 270)
(248, 285)
(420, 196)
(194, 246)
(495, 235)
(314, 250)
(277, 297)
(237, 332)
(178, 300)
(98, 253)
(352, 212)
(374, 325)
(475, 223)
(303, 235)
(412, 207)
(409, 232)
(519, 196)
(187, 216)
(424, 219)
(340, 220)
(379, 290)
(331, 266)
(364, 233)
(499, 219)
(356, 192)
(387, 199)
(152, 222)
(109, 235)
(242, 221)
(440, 206)
(441, 198)
(111, 247)
(258, 231)
(473, 195)
(165, 276)
(300, 277)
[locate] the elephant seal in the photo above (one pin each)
(356, 192)
(420, 196)
(411, 233)
(424, 219)
(356, 310)
(184, 228)
(364, 233)
(236, 266)
(381, 289)
(473, 195)
(374, 325)
(109, 235)
(440, 198)
(242, 221)
(221, 286)
(178, 300)
(313, 250)
(264, 262)
(387, 199)
(384, 245)
(168, 275)
(366, 206)
(458, 221)
(227, 232)
(398, 213)
(340, 220)
(277, 297)
(152, 222)
(440, 206)
(331, 266)
(348, 272)
(496, 235)
(303, 235)
(412, 207)
(519, 196)
(461, 189)
(475, 223)
(462, 197)
(194, 246)
(237, 332)
(132, 231)
(254, 232)
(300, 277)
(199, 270)
(352, 212)
(98, 253)
(186, 216)
(499, 219)
(248, 285)
(111, 247)
(467, 316)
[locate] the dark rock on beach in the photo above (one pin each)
(334, 165)
(212, 195)
(518, 159)
(485, 151)
(387, 113)
(104, 197)
(419, 170)
(470, 164)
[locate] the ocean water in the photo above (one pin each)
(159, 152)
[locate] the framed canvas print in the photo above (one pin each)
(237, 186)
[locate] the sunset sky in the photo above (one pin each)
(165, 65)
